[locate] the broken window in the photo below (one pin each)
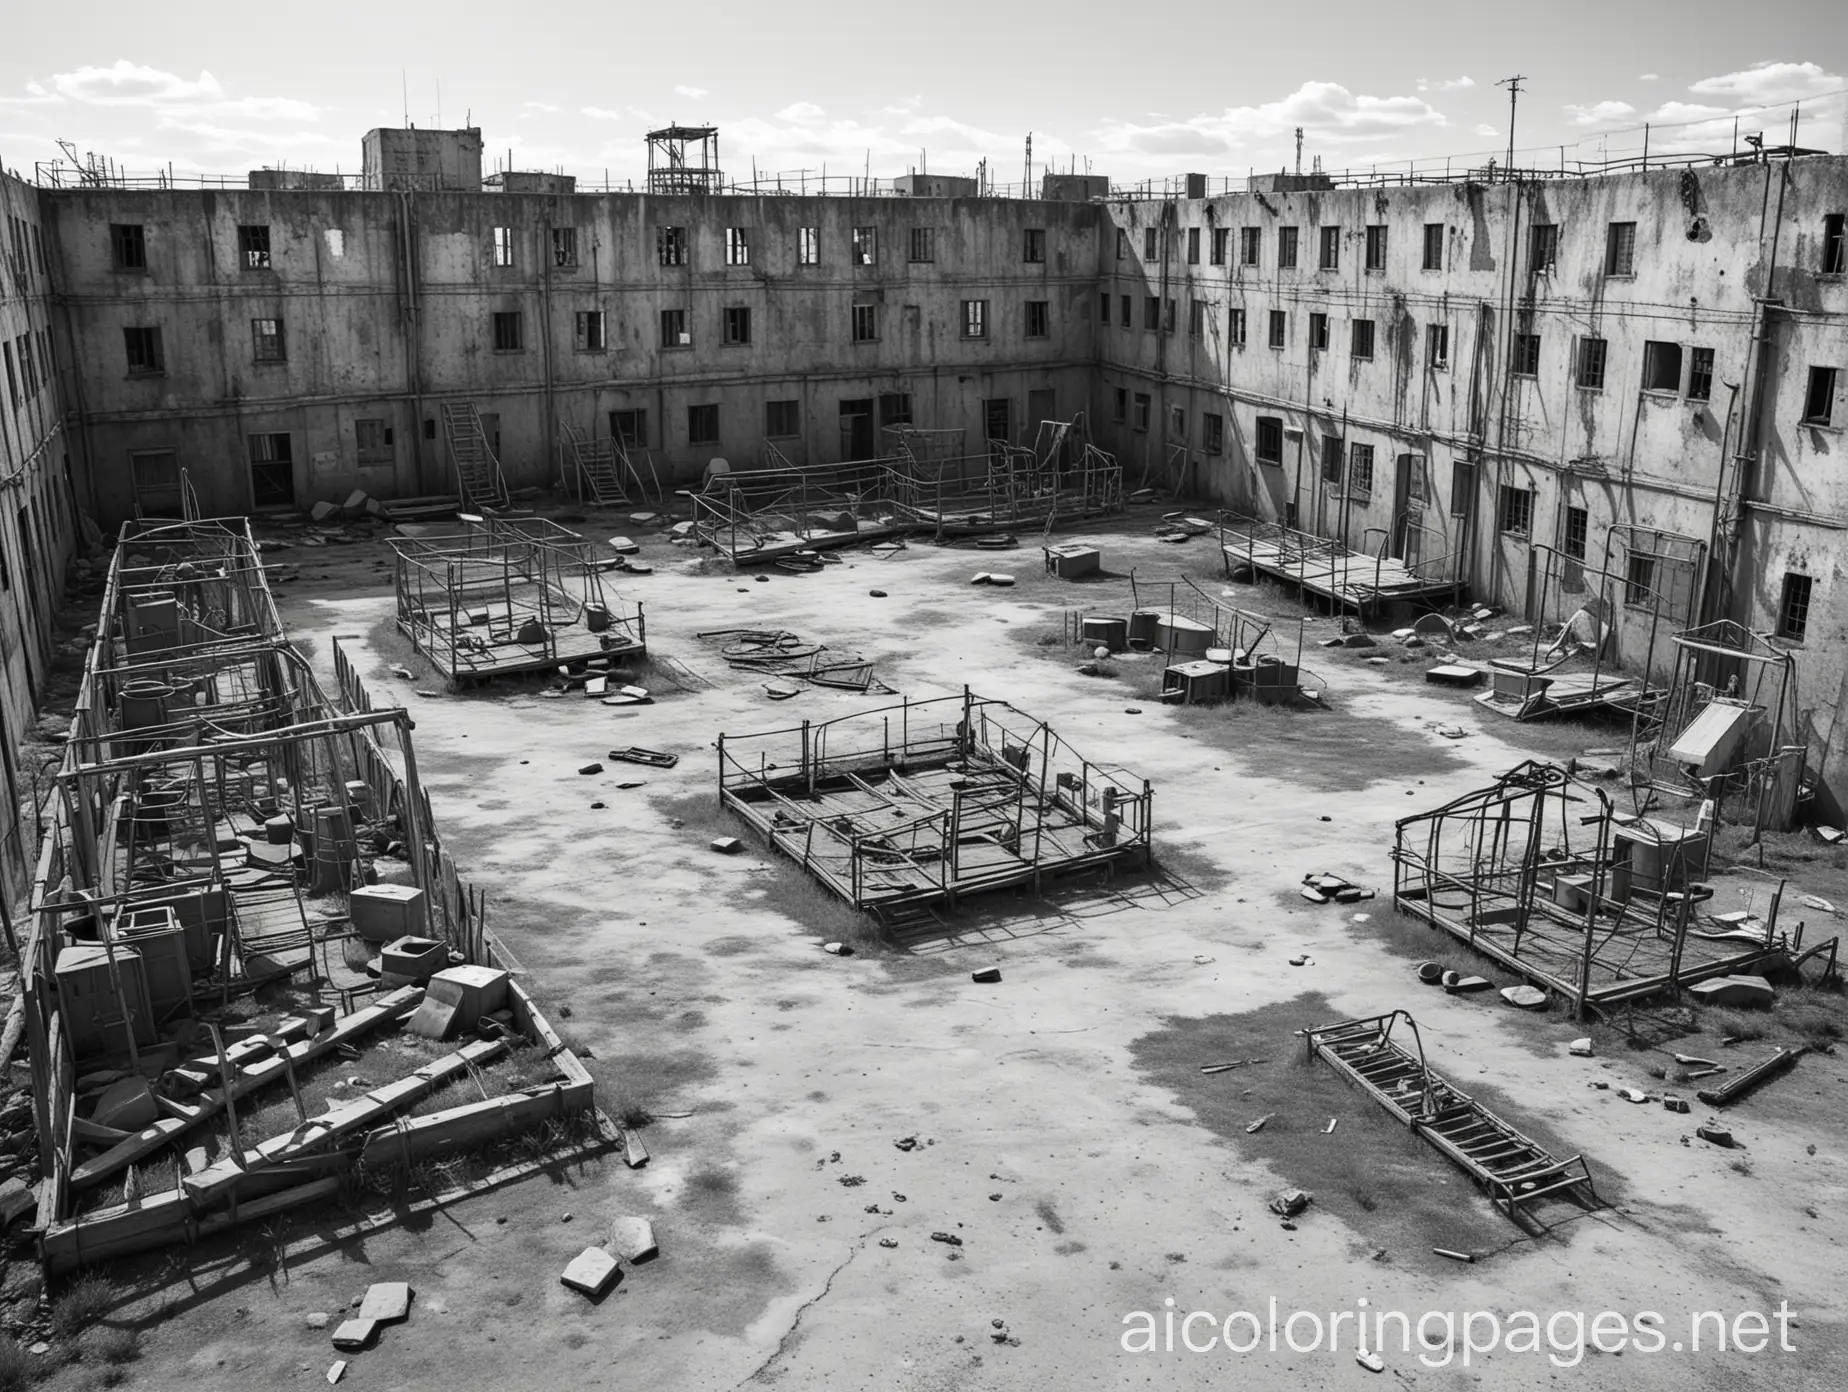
(1332, 450)
(1329, 255)
(253, 247)
(1793, 608)
(703, 424)
(1122, 245)
(267, 341)
(1235, 328)
(272, 471)
(737, 324)
(503, 246)
(1279, 328)
(671, 246)
(1035, 248)
(1125, 307)
(1177, 423)
(1213, 433)
(373, 437)
(630, 428)
(1360, 471)
(1639, 582)
(1524, 356)
(1270, 440)
(1193, 246)
(1196, 319)
(1149, 248)
(1661, 366)
(1437, 346)
(1038, 317)
(1462, 486)
(1542, 247)
(674, 329)
(737, 246)
(25, 366)
(1578, 529)
(894, 408)
(1141, 422)
(564, 246)
(865, 246)
(1151, 313)
(1834, 245)
(1818, 400)
(1516, 515)
(1700, 374)
(128, 244)
(12, 381)
(1119, 407)
(1221, 237)
(782, 419)
(1250, 245)
(1434, 246)
(142, 346)
(865, 323)
(808, 246)
(923, 244)
(1620, 249)
(975, 318)
(1363, 340)
(590, 337)
(1376, 246)
(1318, 332)
(1591, 357)
(1167, 317)
(1103, 310)
(1286, 248)
(508, 331)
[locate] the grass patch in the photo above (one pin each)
(85, 1299)
(18, 1369)
(113, 1347)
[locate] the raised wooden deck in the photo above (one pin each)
(1326, 568)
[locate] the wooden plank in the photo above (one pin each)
(160, 1222)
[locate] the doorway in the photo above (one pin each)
(156, 478)
(998, 419)
(272, 471)
(1408, 505)
(857, 429)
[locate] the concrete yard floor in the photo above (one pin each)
(1084, 1180)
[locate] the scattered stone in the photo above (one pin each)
(355, 1334)
(1289, 1202)
(591, 1272)
(986, 976)
(838, 949)
(727, 845)
(950, 1239)
(1259, 1124)
(1672, 1103)
(1733, 991)
(1525, 997)
(336, 1371)
(1001, 581)
(1715, 1135)
(319, 1320)
(877, 594)
(1466, 1257)
(1459, 985)
(1633, 1094)
(888, 1242)
(1372, 1362)
(588, 769)
(633, 1239)
(1579, 1048)
(386, 1302)
(906, 1143)
(1132, 710)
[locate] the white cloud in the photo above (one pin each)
(1762, 83)
(549, 108)
(904, 106)
(1649, 77)
(695, 93)
(1329, 113)
(1487, 130)
(598, 113)
(1604, 113)
(1448, 84)
(801, 113)
(131, 84)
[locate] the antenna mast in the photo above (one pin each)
(1299, 149)
(1513, 84)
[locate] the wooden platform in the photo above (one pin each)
(1326, 568)
(1523, 694)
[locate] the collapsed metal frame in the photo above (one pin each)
(509, 595)
(1326, 568)
(1011, 790)
(1569, 916)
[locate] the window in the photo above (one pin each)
(1363, 340)
(1119, 410)
(923, 244)
(1524, 358)
(808, 246)
(1103, 310)
(1818, 400)
(1124, 307)
(1578, 530)
(1167, 317)
(865, 323)
(508, 334)
(1620, 249)
(253, 247)
(1639, 582)
(1122, 245)
(503, 246)
(894, 408)
(1193, 246)
(1542, 247)
(1360, 471)
(630, 428)
(674, 329)
(128, 244)
(1661, 366)
(1318, 332)
(1250, 244)
(1793, 609)
(25, 369)
(1591, 363)
(737, 246)
(1037, 318)
(1516, 516)
(1700, 374)
(1834, 245)
(272, 471)
(1279, 328)
(590, 336)
(1462, 486)
(143, 349)
(1437, 346)
(267, 341)
(1141, 421)
(374, 440)
(1035, 248)
(564, 246)
(737, 324)
(1270, 440)
(1151, 313)
(1177, 423)
(1196, 319)
(1149, 235)
(1213, 433)
(12, 381)
(1286, 248)
(1376, 246)
(866, 246)
(975, 318)
(1221, 237)
(1434, 246)
(1328, 256)
(703, 424)
(671, 246)
(782, 419)
(1235, 328)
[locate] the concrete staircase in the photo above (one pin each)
(478, 472)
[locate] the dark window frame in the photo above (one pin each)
(703, 423)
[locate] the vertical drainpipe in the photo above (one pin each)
(1746, 454)
(413, 337)
(546, 258)
(1158, 428)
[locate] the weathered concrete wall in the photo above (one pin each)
(363, 343)
(37, 506)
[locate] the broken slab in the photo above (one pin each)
(386, 1302)
(727, 845)
(1733, 991)
(355, 1334)
(591, 1272)
(633, 1239)
(1579, 1048)
(1454, 674)
(1524, 997)
(1465, 985)
(986, 976)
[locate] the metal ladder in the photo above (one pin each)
(594, 478)
(478, 472)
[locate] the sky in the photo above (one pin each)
(1148, 90)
